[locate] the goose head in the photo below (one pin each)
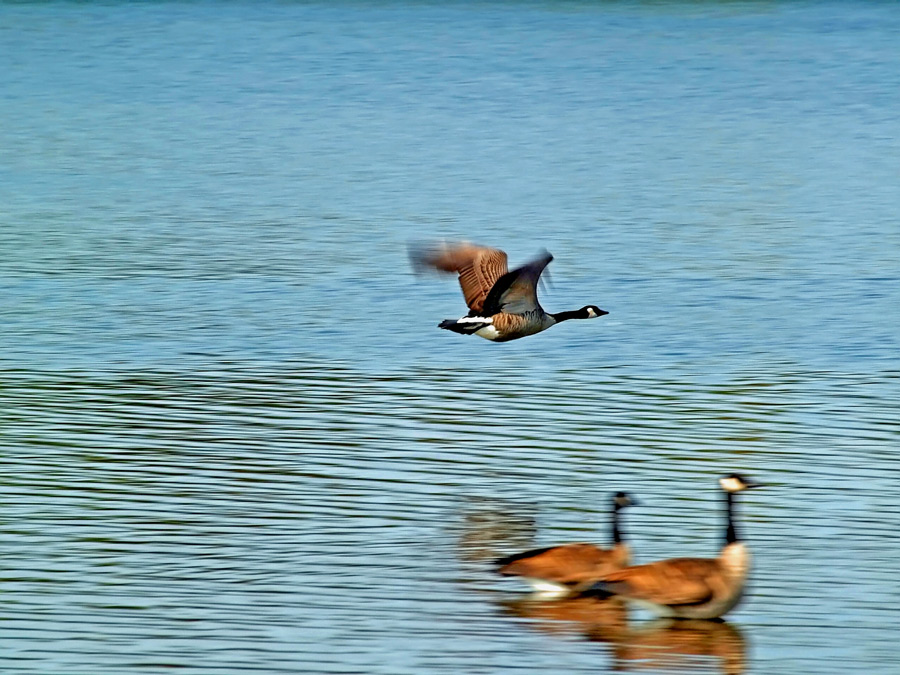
(735, 482)
(623, 499)
(591, 312)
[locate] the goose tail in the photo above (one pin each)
(466, 326)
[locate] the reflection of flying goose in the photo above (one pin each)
(570, 567)
(690, 588)
(502, 305)
(489, 524)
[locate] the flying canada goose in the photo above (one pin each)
(503, 305)
(689, 588)
(570, 568)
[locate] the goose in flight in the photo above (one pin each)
(689, 588)
(503, 305)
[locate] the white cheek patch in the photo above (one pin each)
(731, 484)
(591, 313)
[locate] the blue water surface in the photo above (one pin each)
(232, 437)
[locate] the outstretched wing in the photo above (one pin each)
(479, 267)
(516, 291)
(679, 581)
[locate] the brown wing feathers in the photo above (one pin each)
(478, 267)
(566, 564)
(516, 292)
(679, 581)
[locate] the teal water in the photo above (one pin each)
(232, 438)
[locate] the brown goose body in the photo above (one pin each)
(566, 568)
(689, 588)
(686, 588)
(570, 568)
(503, 305)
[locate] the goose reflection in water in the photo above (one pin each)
(678, 646)
(569, 616)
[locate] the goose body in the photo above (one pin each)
(689, 588)
(569, 568)
(503, 305)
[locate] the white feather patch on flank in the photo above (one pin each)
(476, 319)
(489, 332)
(662, 611)
(547, 588)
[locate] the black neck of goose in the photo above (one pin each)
(731, 535)
(565, 316)
(616, 534)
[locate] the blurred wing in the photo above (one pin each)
(479, 268)
(516, 291)
(680, 581)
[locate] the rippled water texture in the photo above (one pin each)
(232, 438)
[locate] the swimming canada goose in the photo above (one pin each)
(689, 588)
(570, 568)
(503, 305)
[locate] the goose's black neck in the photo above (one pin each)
(616, 534)
(565, 316)
(731, 535)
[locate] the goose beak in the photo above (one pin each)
(602, 312)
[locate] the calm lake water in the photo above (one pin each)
(232, 439)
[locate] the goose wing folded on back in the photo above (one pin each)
(679, 581)
(568, 563)
(516, 291)
(479, 268)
